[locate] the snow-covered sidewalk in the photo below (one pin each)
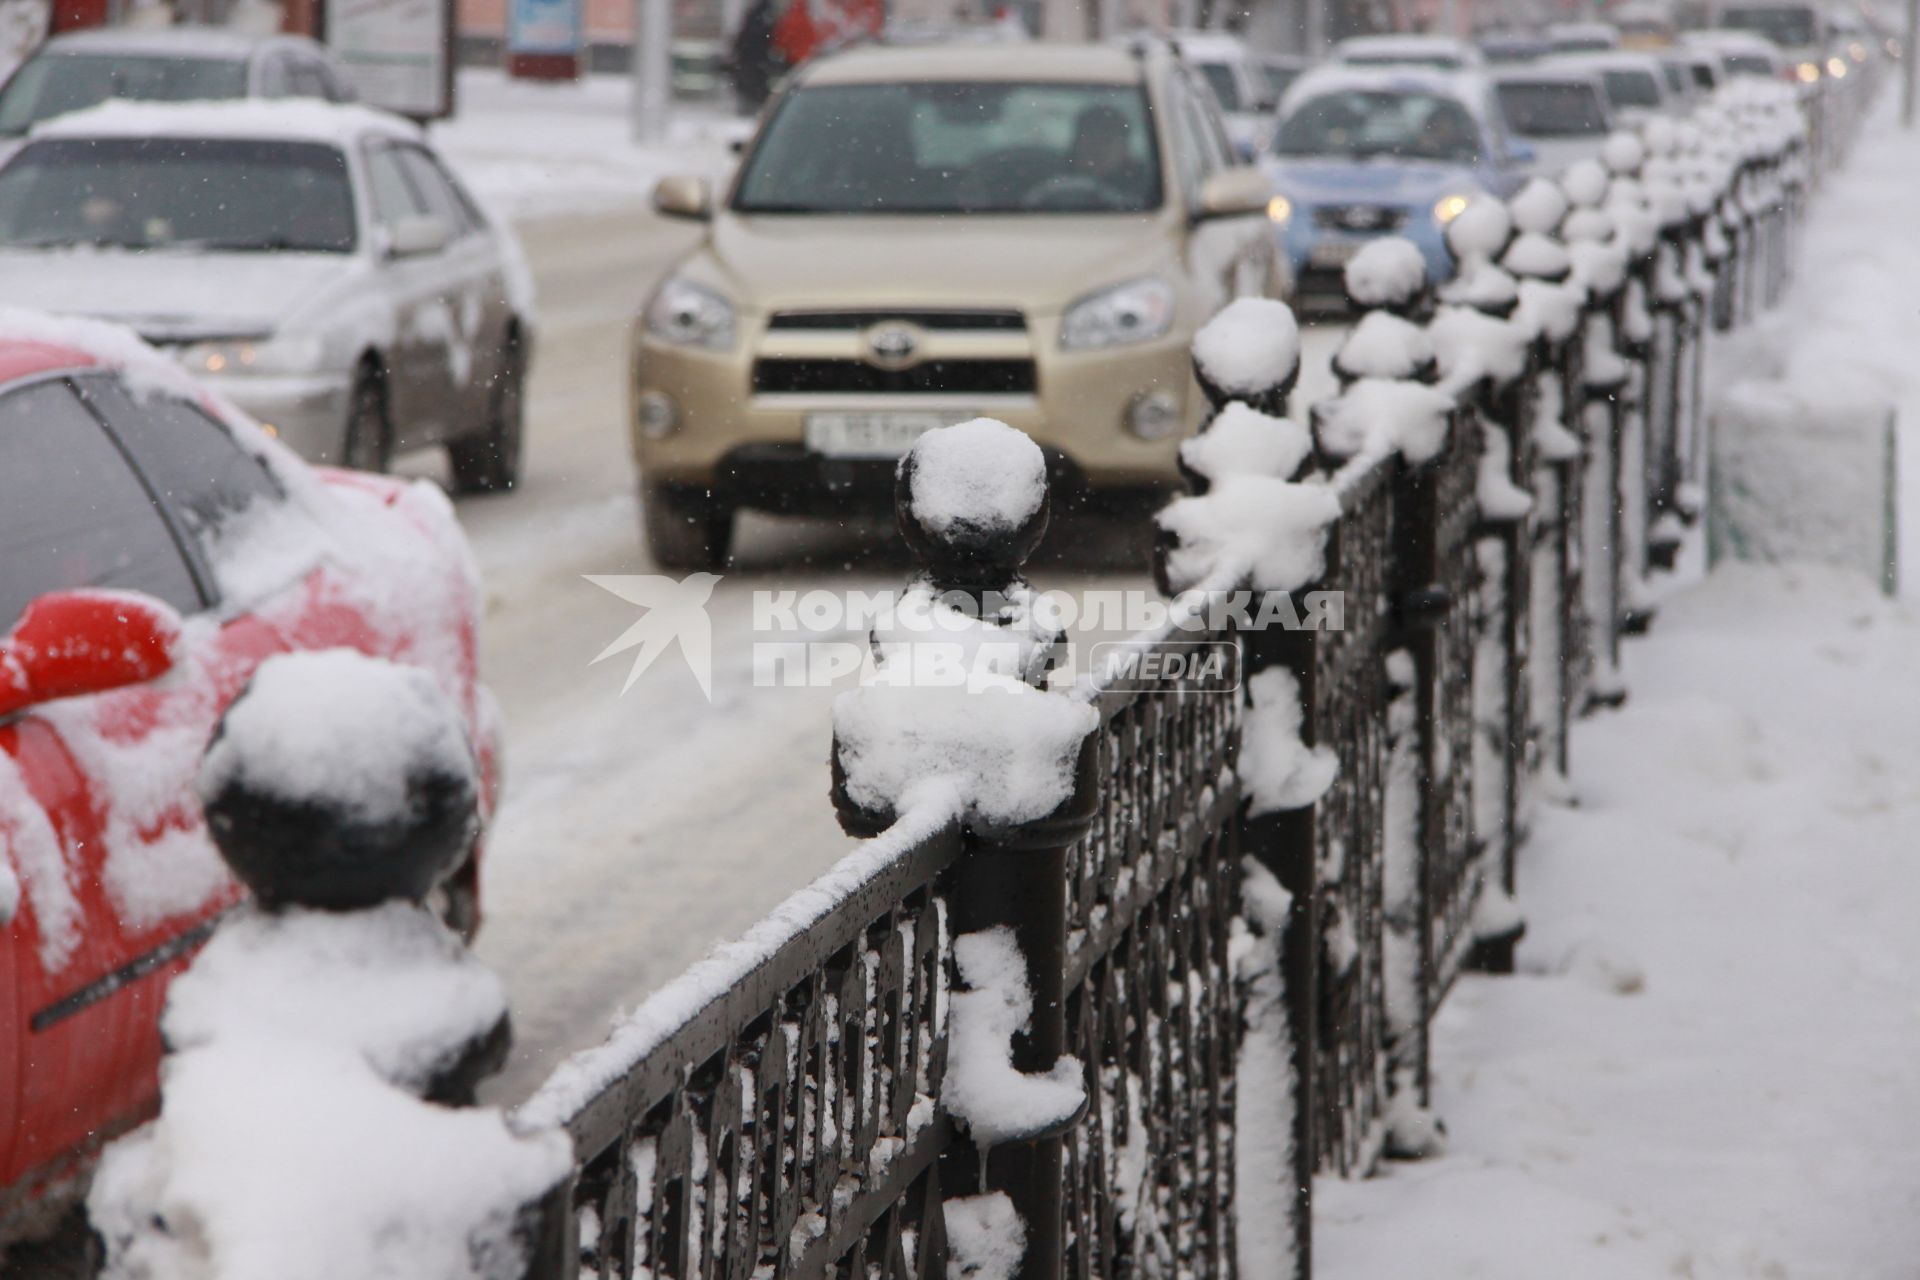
(1709, 1066)
(531, 149)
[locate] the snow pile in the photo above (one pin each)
(1539, 208)
(1263, 1172)
(1384, 345)
(1388, 271)
(296, 1160)
(1278, 770)
(1482, 229)
(1251, 347)
(30, 847)
(983, 1090)
(1615, 1110)
(1268, 529)
(1585, 182)
(1537, 255)
(1014, 641)
(985, 1238)
(1551, 311)
(390, 983)
(1623, 152)
(981, 478)
(1375, 417)
(1471, 346)
(1500, 499)
(1482, 285)
(107, 344)
(359, 731)
(274, 119)
(1243, 441)
(1008, 749)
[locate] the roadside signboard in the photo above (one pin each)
(399, 52)
(544, 39)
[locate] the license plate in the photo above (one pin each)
(873, 435)
(1334, 253)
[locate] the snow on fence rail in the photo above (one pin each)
(1121, 966)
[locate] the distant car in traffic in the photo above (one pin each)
(1561, 115)
(319, 265)
(918, 236)
(1739, 53)
(1240, 85)
(1280, 71)
(1583, 37)
(81, 69)
(1503, 47)
(1441, 53)
(1798, 28)
(154, 551)
(1635, 83)
(1694, 72)
(1392, 151)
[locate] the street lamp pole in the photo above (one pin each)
(652, 68)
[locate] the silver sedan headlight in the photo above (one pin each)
(690, 315)
(1137, 311)
(302, 353)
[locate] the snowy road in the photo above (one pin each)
(637, 831)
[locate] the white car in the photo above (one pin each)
(1635, 83)
(1561, 114)
(1239, 83)
(1441, 53)
(317, 264)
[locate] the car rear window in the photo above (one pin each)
(1790, 28)
(1631, 88)
(55, 83)
(955, 147)
(73, 513)
(1545, 109)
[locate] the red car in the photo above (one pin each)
(155, 547)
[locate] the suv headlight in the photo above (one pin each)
(1138, 311)
(1447, 208)
(690, 315)
(268, 355)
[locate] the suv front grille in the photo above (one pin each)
(932, 377)
(1359, 217)
(933, 321)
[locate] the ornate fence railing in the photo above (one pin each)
(1245, 987)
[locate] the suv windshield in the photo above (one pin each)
(1788, 28)
(56, 83)
(177, 193)
(1361, 124)
(1545, 109)
(955, 147)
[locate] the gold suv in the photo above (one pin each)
(916, 236)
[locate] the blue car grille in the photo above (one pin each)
(1366, 219)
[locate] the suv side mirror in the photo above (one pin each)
(69, 643)
(419, 233)
(683, 197)
(1233, 193)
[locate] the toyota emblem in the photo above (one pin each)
(893, 345)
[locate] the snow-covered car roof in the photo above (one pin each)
(1583, 31)
(280, 119)
(1611, 60)
(1215, 46)
(1725, 40)
(75, 341)
(1381, 48)
(175, 42)
(1554, 72)
(1465, 86)
(880, 64)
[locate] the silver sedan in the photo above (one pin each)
(317, 264)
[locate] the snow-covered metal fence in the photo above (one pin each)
(1106, 1011)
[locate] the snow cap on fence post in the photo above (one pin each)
(325, 1044)
(955, 706)
(1249, 351)
(1389, 273)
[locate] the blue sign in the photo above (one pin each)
(544, 26)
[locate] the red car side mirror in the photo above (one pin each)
(72, 642)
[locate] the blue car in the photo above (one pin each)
(1366, 153)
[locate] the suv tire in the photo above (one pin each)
(687, 528)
